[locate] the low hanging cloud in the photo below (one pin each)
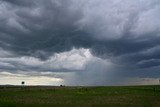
(68, 36)
(74, 60)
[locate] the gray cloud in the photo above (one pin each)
(125, 32)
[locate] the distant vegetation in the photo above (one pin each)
(126, 96)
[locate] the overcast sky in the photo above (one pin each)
(79, 42)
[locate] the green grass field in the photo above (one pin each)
(118, 96)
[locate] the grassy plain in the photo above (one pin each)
(47, 96)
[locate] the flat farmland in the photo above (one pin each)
(108, 96)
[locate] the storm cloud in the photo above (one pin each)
(70, 36)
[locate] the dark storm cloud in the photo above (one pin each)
(19, 2)
(118, 30)
(46, 27)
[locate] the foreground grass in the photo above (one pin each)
(127, 96)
